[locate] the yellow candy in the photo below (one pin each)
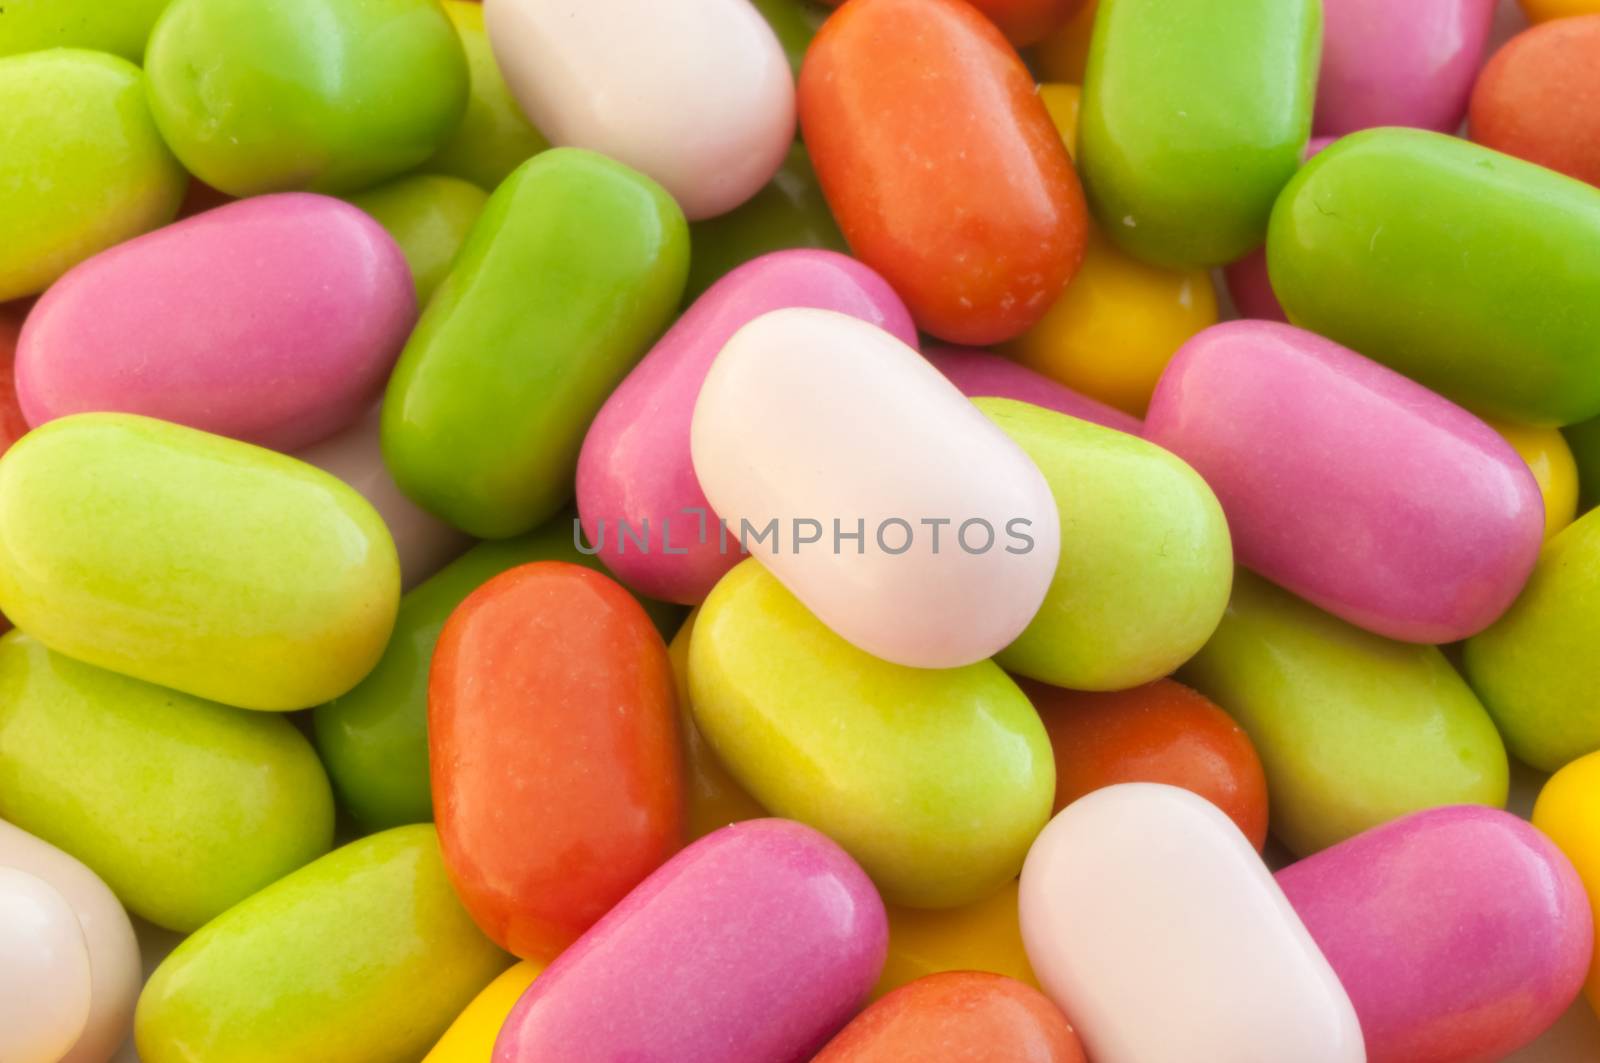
(1063, 55)
(982, 936)
(715, 799)
(1568, 811)
(470, 1039)
(1544, 10)
(1062, 102)
(1548, 455)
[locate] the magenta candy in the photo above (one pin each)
(274, 320)
(1399, 62)
(978, 374)
(635, 464)
(753, 945)
(1348, 484)
(1460, 933)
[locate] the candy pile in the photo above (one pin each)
(741, 531)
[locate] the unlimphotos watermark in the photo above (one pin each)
(890, 535)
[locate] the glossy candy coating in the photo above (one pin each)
(1543, 10)
(635, 465)
(429, 217)
(1145, 561)
(770, 912)
(119, 28)
(1534, 668)
(714, 797)
(941, 165)
(45, 983)
(981, 936)
(1568, 813)
(574, 266)
(184, 807)
(1460, 933)
(958, 1017)
(1182, 154)
(296, 94)
(81, 162)
(979, 374)
(814, 416)
(1119, 935)
(363, 955)
(494, 136)
(1349, 485)
(470, 1039)
(1406, 64)
(1160, 732)
(169, 324)
(551, 721)
(1352, 729)
(1539, 98)
(1549, 457)
(1467, 270)
(697, 93)
(934, 779)
(197, 562)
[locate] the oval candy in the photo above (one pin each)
(979, 374)
(429, 217)
(494, 137)
(1539, 98)
(981, 936)
(470, 1038)
(45, 983)
(1569, 815)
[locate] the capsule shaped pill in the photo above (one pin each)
(274, 320)
(572, 268)
(1353, 730)
(938, 804)
(1182, 153)
(192, 561)
(1210, 963)
(697, 93)
(771, 913)
(1349, 485)
(1459, 932)
(1469, 271)
(879, 495)
(635, 473)
(362, 955)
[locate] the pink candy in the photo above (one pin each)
(978, 374)
(1350, 485)
(274, 320)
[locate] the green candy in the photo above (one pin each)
(494, 137)
(788, 212)
(1472, 272)
(1146, 561)
(429, 217)
(197, 562)
(573, 268)
(364, 956)
(1195, 114)
(82, 166)
(1536, 668)
(185, 807)
(118, 26)
(325, 95)
(1354, 730)
(1584, 439)
(935, 780)
(374, 739)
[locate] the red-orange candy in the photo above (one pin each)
(1023, 22)
(553, 748)
(958, 1017)
(1539, 98)
(941, 165)
(1160, 732)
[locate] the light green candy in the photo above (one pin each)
(429, 217)
(193, 561)
(1537, 668)
(119, 26)
(935, 780)
(1146, 561)
(82, 166)
(494, 137)
(185, 807)
(1354, 730)
(364, 956)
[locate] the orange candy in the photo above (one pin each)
(1539, 98)
(958, 1017)
(1160, 732)
(941, 165)
(1022, 21)
(553, 746)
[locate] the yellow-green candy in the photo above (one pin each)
(429, 217)
(494, 136)
(118, 26)
(200, 563)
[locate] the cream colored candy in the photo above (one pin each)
(44, 971)
(829, 426)
(114, 970)
(695, 93)
(1154, 925)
